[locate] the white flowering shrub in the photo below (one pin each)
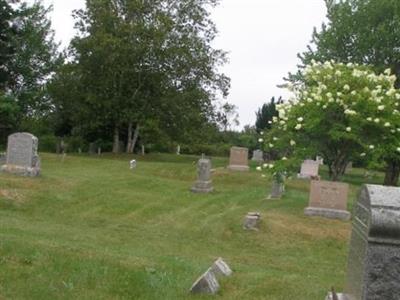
(340, 112)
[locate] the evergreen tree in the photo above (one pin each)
(266, 113)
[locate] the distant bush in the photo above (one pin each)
(48, 143)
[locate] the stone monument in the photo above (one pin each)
(374, 258)
(328, 199)
(239, 160)
(258, 156)
(277, 190)
(206, 284)
(22, 157)
(252, 221)
(203, 183)
(221, 268)
(309, 169)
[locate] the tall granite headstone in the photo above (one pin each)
(22, 157)
(373, 270)
(328, 199)
(239, 159)
(204, 182)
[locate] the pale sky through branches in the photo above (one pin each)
(262, 37)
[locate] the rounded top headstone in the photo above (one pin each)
(383, 204)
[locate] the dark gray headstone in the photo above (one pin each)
(374, 258)
(22, 157)
(203, 183)
(206, 284)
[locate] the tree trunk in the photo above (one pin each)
(134, 139)
(392, 173)
(129, 138)
(116, 140)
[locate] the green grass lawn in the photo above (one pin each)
(90, 228)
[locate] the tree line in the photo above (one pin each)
(135, 70)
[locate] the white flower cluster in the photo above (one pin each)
(338, 85)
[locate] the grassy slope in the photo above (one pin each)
(90, 228)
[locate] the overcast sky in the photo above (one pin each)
(262, 37)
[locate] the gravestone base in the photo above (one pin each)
(327, 213)
(239, 168)
(340, 296)
(202, 187)
(19, 170)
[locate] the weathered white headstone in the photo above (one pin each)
(206, 284)
(178, 150)
(132, 164)
(258, 156)
(309, 169)
(220, 267)
(252, 221)
(204, 182)
(22, 157)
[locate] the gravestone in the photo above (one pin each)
(258, 156)
(328, 199)
(373, 270)
(22, 157)
(132, 164)
(203, 183)
(309, 169)
(277, 190)
(206, 283)
(239, 160)
(252, 221)
(220, 267)
(178, 150)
